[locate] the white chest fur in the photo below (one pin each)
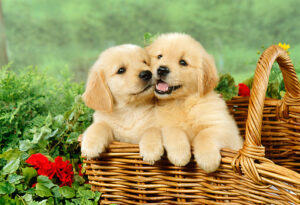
(192, 114)
(128, 124)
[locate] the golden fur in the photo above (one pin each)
(123, 104)
(193, 114)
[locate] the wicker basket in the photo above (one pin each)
(280, 128)
(244, 177)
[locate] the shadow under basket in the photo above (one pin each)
(264, 171)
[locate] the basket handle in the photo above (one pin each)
(259, 88)
(253, 148)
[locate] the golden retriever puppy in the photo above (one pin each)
(188, 110)
(120, 90)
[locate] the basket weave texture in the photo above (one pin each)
(249, 176)
(280, 133)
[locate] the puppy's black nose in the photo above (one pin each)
(145, 75)
(163, 71)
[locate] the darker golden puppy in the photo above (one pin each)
(188, 110)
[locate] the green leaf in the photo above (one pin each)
(85, 201)
(282, 86)
(58, 121)
(83, 193)
(52, 134)
(11, 154)
(20, 187)
(48, 120)
(79, 179)
(14, 178)
(42, 190)
(273, 90)
(25, 145)
(6, 188)
(28, 173)
(44, 180)
(7, 200)
(55, 191)
(11, 166)
(149, 38)
(33, 203)
(76, 201)
(31, 190)
(75, 185)
(88, 186)
(42, 144)
(67, 192)
(73, 137)
(97, 197)
(227, 87)
(27, 197)
(50, 201)
(2, 200)
(282, 93)
(88, 202)
(69, 203)
(44, 202)
(41, 135)
(71, 116)
(24, 156)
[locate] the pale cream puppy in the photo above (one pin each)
(120, 90)
(188, 110)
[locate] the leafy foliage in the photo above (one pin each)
(227, 87)
(40, 115)
(149, 38)
(276, 87)
(35, 108)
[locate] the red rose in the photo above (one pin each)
(59, 163)
(66, 177)
(244, 90)
(37, 160)
(67, 181)
(44, 166)
(64, 171)
(47, 170)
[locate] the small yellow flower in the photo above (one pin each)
(284, 46)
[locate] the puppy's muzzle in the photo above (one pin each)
(145, 75)
(163, 71)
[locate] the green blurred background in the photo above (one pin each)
(57, 35)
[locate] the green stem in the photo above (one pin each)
(22, 199)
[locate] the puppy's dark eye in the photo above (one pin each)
(121, 70)
(183, 62)
(145, 62)
(159, 56)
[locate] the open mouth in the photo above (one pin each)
(163, 88)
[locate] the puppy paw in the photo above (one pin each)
(151, 151)
(180, 154)
(208, 161)
(91, 148)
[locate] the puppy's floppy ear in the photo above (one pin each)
(97, 94)
(209, 78)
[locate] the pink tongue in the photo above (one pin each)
(162, 86)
